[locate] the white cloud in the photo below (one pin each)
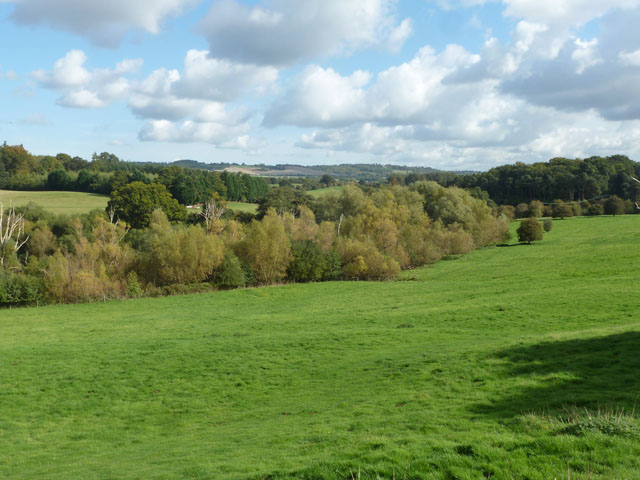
(222, 135)
(399, 95)
(83, 88)
(399, 35)
(281, 32)
(564, 13)
(222, 80)
(630, 58)
(585, 54)
(105, 23)
(35, 119)
(9, 75)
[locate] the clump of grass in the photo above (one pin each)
(578, 422)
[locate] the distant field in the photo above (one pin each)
(514, 362)
(243, 207)
(321, 192)
(56, 202)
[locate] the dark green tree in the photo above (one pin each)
(614, 206)
(134, 203)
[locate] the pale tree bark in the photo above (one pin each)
(212, 210)
(11, 232)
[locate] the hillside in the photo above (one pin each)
(514, 362)
(56, 202)
(365, 171)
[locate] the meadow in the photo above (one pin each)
(323, 192)
(68, 203)
(518, 361)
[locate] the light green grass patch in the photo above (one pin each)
(243, 207)
(465, 369)
(56, 202)
(321, 192)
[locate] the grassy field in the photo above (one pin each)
(243, 207)
(321, 192)
(513, 362)
(56, 202)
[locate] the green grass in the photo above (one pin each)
(513, 362)
(243, 207)
(321, 192)
(56, 202)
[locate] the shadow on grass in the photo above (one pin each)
(597, 373)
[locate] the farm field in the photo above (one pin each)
(321, 192)
(243, 207)
(509, 362)
(57, 202)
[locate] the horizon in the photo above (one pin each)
(455, 85)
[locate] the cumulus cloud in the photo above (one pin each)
(281, 32)
(540, 95)
(564, 13)
(196, 105)
(399, 95)
(222, 135)
(83, 88)
(105, 23)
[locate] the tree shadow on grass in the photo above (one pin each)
(600, 373)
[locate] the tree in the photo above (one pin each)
(529, 230)
(267, 249)
(212, 210)
(561, 209)
(134, 203)
(12, 236)
(58, 180)
(614, 206)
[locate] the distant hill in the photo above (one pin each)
(359, 171)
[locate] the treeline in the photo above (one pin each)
(563, 179)
(106, 173)
(358, 234)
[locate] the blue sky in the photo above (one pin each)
(452, 84)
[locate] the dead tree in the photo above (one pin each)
(11, 232)
(212, 210)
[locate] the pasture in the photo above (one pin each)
(509, 362)
(322, 192)
(68, 203)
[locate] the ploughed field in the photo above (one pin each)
(509, 362)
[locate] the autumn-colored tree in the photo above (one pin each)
(267, 249)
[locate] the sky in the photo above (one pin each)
(450, 84)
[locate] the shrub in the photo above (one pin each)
(548, 224)
(19, 289)
(310, 264)
(529, 230)
(561, 209)
(614, 206)
(229, 274)
(595, 209)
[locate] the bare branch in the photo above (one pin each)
(11, 232)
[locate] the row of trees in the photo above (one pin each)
(612, 205)
(106, 173)
(560, 178)
(361, 234)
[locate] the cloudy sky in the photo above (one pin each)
(453, 84)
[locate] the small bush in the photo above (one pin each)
(230, 274)
(548, 224)
(19, 289)
(529, 230)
